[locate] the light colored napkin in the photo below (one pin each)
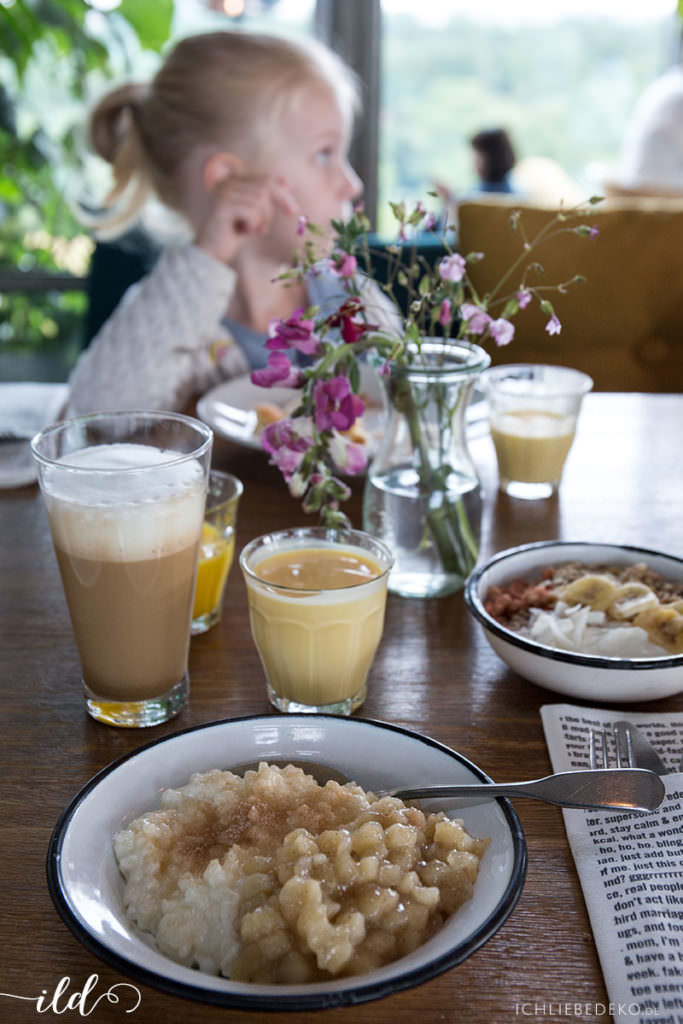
(25, 408)
(630, 867)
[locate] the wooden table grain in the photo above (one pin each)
(434, 673)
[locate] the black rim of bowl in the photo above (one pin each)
(284, 1001)
(476, 606)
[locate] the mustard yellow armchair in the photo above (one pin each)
(624, 326)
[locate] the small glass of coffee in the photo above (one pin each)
(316, 606)
(125, 495)
(217, 549)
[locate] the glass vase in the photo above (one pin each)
(422, 493)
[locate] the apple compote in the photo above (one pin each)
(272, 878)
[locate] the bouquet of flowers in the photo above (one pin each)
(313, 447)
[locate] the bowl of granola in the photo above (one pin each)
(591, 621)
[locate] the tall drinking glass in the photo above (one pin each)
(125, 494)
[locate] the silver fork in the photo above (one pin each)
(598, 749)
(622, 787)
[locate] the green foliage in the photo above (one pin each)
(40, 322)
(74, 48)
(151, 20)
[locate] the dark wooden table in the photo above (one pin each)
(434, 673)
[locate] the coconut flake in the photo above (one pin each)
(579, 629)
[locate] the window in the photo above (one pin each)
(562, 77)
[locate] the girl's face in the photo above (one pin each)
(312, 161)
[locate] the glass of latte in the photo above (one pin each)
(125, 495)
(316, 607)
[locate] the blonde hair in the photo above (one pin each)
(217, 88)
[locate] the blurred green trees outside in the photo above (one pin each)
(55, 55)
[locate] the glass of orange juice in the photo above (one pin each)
(533, 411)
(216, 550)
(316, 606)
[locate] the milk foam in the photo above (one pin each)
(124, 502)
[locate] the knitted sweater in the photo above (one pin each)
(159, 347)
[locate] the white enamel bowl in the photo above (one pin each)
(88, 891)
(585, 676)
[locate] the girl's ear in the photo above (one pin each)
(219, 167)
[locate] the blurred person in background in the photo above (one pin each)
(652, 154)
(494, 159)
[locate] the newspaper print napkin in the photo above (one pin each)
(631, 869)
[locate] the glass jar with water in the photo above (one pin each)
(422, 493)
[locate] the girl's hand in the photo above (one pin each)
(241, 206)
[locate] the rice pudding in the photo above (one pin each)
(272, 878)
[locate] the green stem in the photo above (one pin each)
(545, 233)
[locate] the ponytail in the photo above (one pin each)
(114, 133)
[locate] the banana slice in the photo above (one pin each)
(664, 626)
(631, 599)
(593, 589)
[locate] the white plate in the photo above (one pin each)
(87, 888)
(229, 409)
(586, 676)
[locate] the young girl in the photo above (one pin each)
(244, 136)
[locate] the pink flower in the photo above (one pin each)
(336, 406)
(445, 313)
(502, 331)
(278, 371)
(594, 232)
(301, 225)
(452, 268)
(429, 222)
(476, 319)
(295, 332)
(553, 326)
(347, 455)
(344, 264)
(347, 317)
(286, 441)
(523, 298)
(352, 329)
(288, 433)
